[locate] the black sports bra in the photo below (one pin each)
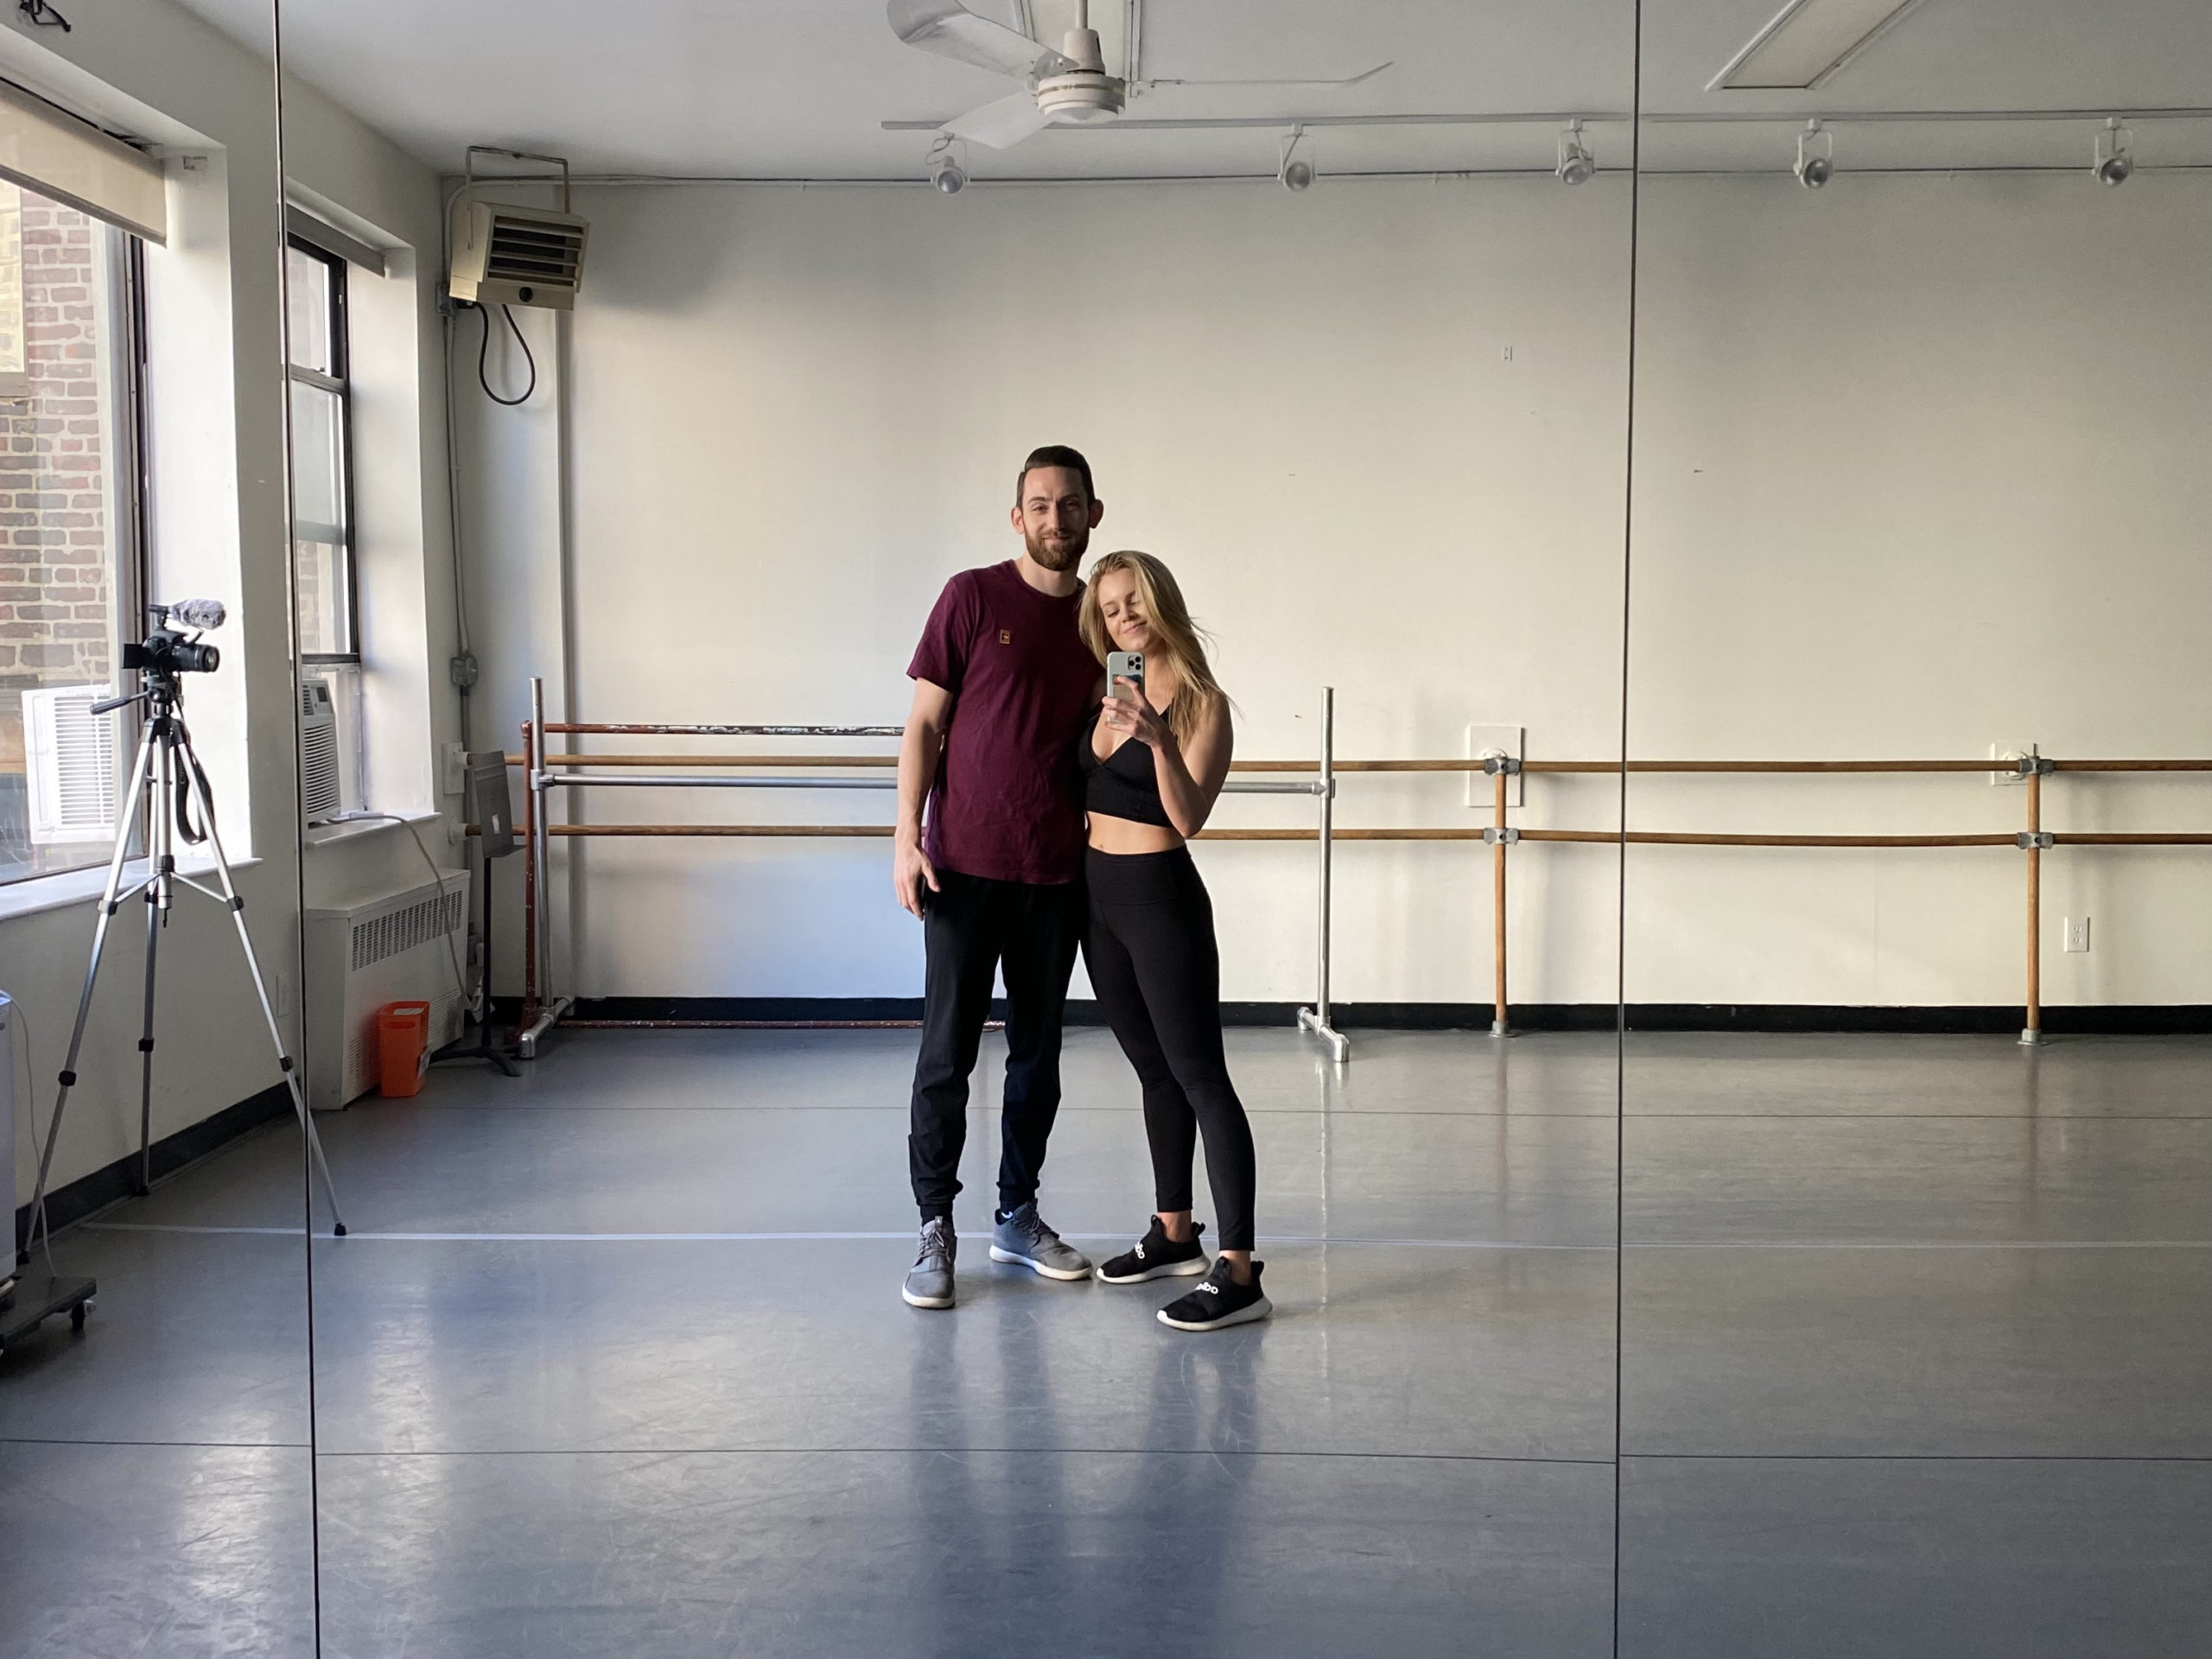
(1124, 784)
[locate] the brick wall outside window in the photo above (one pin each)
(56, 575)
(57, 546)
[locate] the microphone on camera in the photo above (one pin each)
(198, 613)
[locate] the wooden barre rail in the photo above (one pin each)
(1594, 837)
(1747, 768)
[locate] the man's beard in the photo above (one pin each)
(1064, 555)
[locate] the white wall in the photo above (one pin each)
(1920, 468)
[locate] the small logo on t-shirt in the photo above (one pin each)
(1006, 636)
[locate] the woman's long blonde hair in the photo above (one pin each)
(1174, 635)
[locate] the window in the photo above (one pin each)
(70, 547)
(322, 456)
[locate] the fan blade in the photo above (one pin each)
(1000, 125)
(951, 31)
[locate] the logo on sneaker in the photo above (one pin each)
(1210, 1288)
(1139, 1252)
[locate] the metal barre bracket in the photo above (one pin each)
(1495, 834)
(2035, 840)
(2032, 765)
(1495, 764)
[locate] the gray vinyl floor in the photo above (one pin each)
(1917, 1359)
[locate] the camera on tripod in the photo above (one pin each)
(180, 807)
(173, 646)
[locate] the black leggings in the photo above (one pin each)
(1154, 963)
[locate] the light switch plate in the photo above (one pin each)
(456, 767)
(2077, 933)
(1486, 739)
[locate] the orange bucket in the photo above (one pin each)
(403, 1048)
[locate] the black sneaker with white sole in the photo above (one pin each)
(1219, 1302)
(1156, 1256)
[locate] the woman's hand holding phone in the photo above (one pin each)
(1127, 712)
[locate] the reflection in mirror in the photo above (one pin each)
(1917, 1162)
(659, 1329)
(153, 1418)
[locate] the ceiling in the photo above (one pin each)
(800, 88)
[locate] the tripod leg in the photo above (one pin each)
(237, 906)
(146, 1051)
(110, 903)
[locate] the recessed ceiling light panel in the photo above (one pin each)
(1807, 42)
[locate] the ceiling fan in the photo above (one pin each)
(1070, 87)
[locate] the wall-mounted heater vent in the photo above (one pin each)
(517, 256)
(400, 947)
(321, 778)
(69, 754)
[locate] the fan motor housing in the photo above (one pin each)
(517, 256)
(1082, 98)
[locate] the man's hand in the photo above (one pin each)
(918, 761)
(910, 869)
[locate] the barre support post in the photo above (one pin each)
(1498, 1026)
(2034, 841)
(542, 1008)
(1316, 1019)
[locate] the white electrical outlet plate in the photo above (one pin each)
(1499, 740)
(456, 767)
(2009, 756)
(2077, 933)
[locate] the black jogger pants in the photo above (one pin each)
(1156, 969)
(972, 927)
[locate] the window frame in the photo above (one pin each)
(338, 383)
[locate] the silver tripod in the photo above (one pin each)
(169, 772)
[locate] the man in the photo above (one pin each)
(1003, 684)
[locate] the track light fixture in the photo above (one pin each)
(947, 173)
(2115, 157)
(1816, 155)
(1293, 172)
(1576, 164)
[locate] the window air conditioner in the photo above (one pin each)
(321, 777)
(517, 256)
(330, 746)
(71, 756)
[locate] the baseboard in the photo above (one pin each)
(2142, 1019)
(119, 1179)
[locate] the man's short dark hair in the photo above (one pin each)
(1055, 454)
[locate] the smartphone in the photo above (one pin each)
(1123, 665)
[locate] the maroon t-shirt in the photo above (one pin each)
(1007, 803)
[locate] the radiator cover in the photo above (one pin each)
(389, 949)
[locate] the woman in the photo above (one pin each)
(1154, 759)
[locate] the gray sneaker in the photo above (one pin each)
(1023, 1238)
(929, 1281)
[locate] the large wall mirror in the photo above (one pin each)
(1919, 734)
(747, 332)
(155, 1473)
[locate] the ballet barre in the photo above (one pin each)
(547, 772)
